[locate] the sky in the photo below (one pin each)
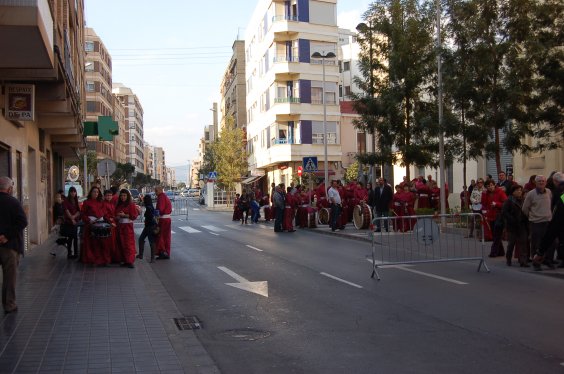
(173, 55)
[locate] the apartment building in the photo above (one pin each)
(285, 87)
(160, 164)
(41, 98)
(233, 94)
(134, 125)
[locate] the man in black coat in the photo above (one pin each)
(382, 197)
(12, 223)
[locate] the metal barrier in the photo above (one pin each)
(180, 207)
(427, 239)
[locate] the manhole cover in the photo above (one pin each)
(244, 334)
(188, 323)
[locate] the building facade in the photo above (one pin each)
(285, 88)
(134, 126)
(42, 93)
(233, 94)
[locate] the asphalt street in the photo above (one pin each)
(305, 303)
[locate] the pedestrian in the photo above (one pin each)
(255, 209)
(383, 195)
(126, 213)
(530, 185)
(149, 230)
(71, 220)
(109, 216)
(288, 215)
(13, 221)
(93, 251)
(335, 202)
(537, 208)
(503, 182)
(554, 229)
(278, 198)
(58, 213)
(236, 211)
(471, 186)
(492, 202)
(163, 211)
(516, 226)
(476, 205)
(404, 206)
(244, 208)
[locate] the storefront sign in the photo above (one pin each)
(20, 100)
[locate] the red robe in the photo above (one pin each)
(93, 249)
(423, 195)
(404, 206)
(491, 207)
(109, 216)
(125, 234)
(165, 224)
(289, 206)
(268, 211)
(237, 214)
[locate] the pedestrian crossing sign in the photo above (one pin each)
(212, 175)
(310, 164)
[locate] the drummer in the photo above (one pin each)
(125, 213)
(93, 250)
(109, 216)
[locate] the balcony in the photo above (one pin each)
(26, 35)
(284, 100)
(284, 58)
(281, 18)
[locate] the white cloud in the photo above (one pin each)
(349, 20)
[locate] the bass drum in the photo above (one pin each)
(323, 216)
(101, 230)
(312, 220)
(362, 216)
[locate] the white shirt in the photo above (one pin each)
(333, 195)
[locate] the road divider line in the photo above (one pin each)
(341, 280)
(431, 275)
(213, 233)
(255, 248)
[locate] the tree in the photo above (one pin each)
(122, 174)
(209, 160)
(181, 185)
(231, 161)
(403, 112)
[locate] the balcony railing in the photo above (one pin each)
(284, 18)
(319, 61)
(283, 141)
(320, 101)
(283, 58)
(292, 100)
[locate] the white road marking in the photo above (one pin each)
(189, 229)
(255, 248)
(406, 266)
(260, 288)
(213, 233)
(172, 232)
(341, 280)
(265, 227)
(213, 228)
(236, 227)
(138, 231)
(196, 209)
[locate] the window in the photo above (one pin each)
(346, 65)
(316, 95)
(89, 47)
(90, 86)
(89, 66)
(361, 142)
(317, 132)
(90, 106)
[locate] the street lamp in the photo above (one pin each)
(326, 162)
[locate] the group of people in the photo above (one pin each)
(106, 221)
(530, 215)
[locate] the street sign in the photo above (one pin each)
(106, 167)
(310, 164)
(300, 170)
(212, 175)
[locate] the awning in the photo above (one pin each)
(251, 179)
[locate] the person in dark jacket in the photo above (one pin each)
(383, 195)
(13, 221)
(516, 225)
(554, 229)
(149, 229)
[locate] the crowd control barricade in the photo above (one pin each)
(427, 239)
(180, 207)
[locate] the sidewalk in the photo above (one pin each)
(74, 318)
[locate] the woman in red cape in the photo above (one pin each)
(125, 213)
(290, 204)
(404, 202)
(109, 216)
(93, 249)
(492, 202)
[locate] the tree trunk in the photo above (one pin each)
(497, 151)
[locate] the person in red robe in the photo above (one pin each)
(264, 203)
(125, 213)
(303, 205)
(164, 208)
(109, 216)
(93, 249)
(423, 193)
(404, 202)
(237, 214)
(289, 205)
(492, 202)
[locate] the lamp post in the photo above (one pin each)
(325, 161)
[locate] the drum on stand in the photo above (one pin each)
(101, 230)
(323, 216)
(362, 216)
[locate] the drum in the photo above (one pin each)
(101, 230)
(323, 216)
(362, 216)
(312, 220)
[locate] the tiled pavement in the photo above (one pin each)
(80, 319)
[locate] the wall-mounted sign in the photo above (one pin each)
(20, 102)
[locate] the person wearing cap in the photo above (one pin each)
(13, 221)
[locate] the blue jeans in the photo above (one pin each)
(335, 214)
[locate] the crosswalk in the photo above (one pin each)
(211, 228)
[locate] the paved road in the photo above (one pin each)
(305, 303)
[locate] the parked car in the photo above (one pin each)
(134, 195)
(170, 194)
(193, 192)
